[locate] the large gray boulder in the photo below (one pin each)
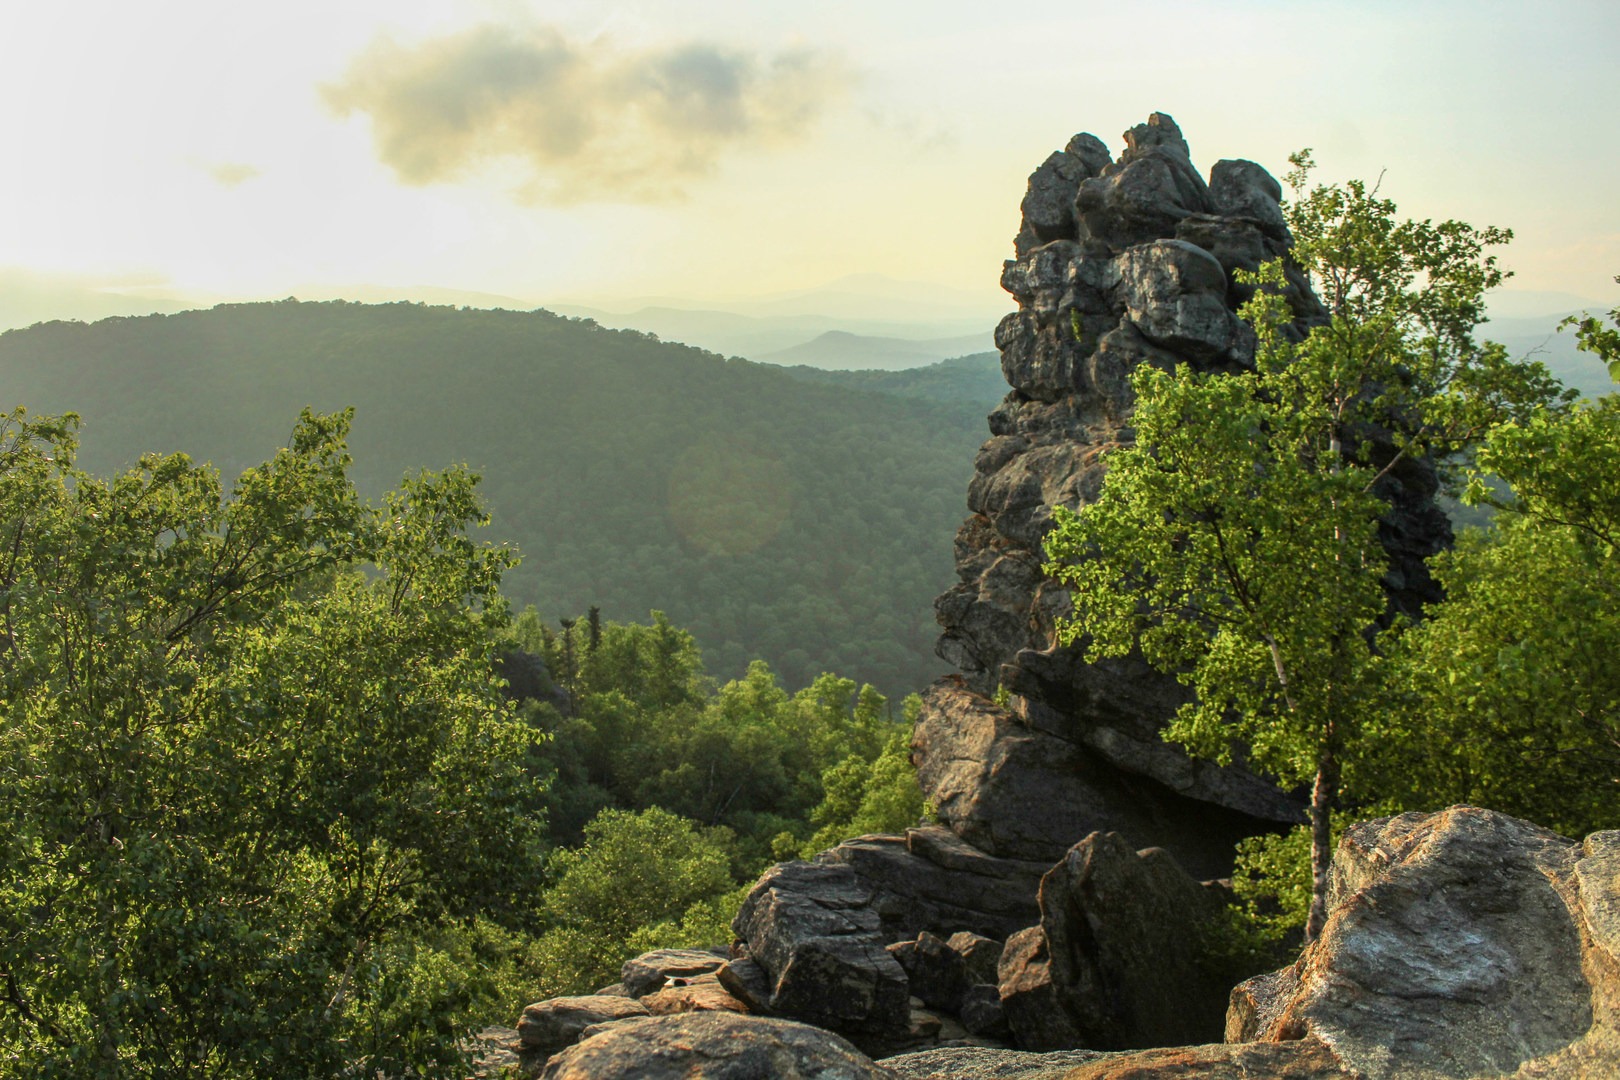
(1027, 794)
(1123, 932)
(713, 1046)
(812, 930)
(1459, 944)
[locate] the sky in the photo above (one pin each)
(727, 149)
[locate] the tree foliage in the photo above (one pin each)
(1515, 675)
(630, 886)
(241, 777)
(635, 722)
(1599, 340)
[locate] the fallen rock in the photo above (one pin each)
(713, 1046)
(979, 954)
(1461, 943)
(1122, 932)
(811, 927)
(652, 971)
(1030, 1001)
(548, 1026)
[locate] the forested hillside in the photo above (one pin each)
(807, 523)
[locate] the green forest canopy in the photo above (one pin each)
(803, 520)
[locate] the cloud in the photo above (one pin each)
(592, 121)
(231, 173)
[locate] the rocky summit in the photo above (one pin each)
(1118, 263)
(1049, 924)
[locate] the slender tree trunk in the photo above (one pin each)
(1323, 795)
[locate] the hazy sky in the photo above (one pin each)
(725, 148)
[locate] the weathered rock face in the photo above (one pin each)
(1021, 792)
(1119, 263)
(1459, 944)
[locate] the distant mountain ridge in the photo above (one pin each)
(805, 519)
(841, 350)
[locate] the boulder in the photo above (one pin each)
(652, 971)
(701, 993)
(1461, 943)
(1048, 207)
(713, 1046)
(936, 972)
(1031, 1003)
(1246, 191)
(931, 881)
(812, 929)
(1022, 793)
(1122, 931)
(1175, 292)
(979, 955)
(547, 1026)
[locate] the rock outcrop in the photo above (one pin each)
(713, 1046)
(548, 1026)
(812, 929)
(1119, 263)
(1461, 943)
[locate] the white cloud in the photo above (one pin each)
(591, 121)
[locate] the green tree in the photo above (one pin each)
(1602, 341)
(1515, 674)
(1236, 542)
(240, 777)
(869, 795)
(635, 870)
